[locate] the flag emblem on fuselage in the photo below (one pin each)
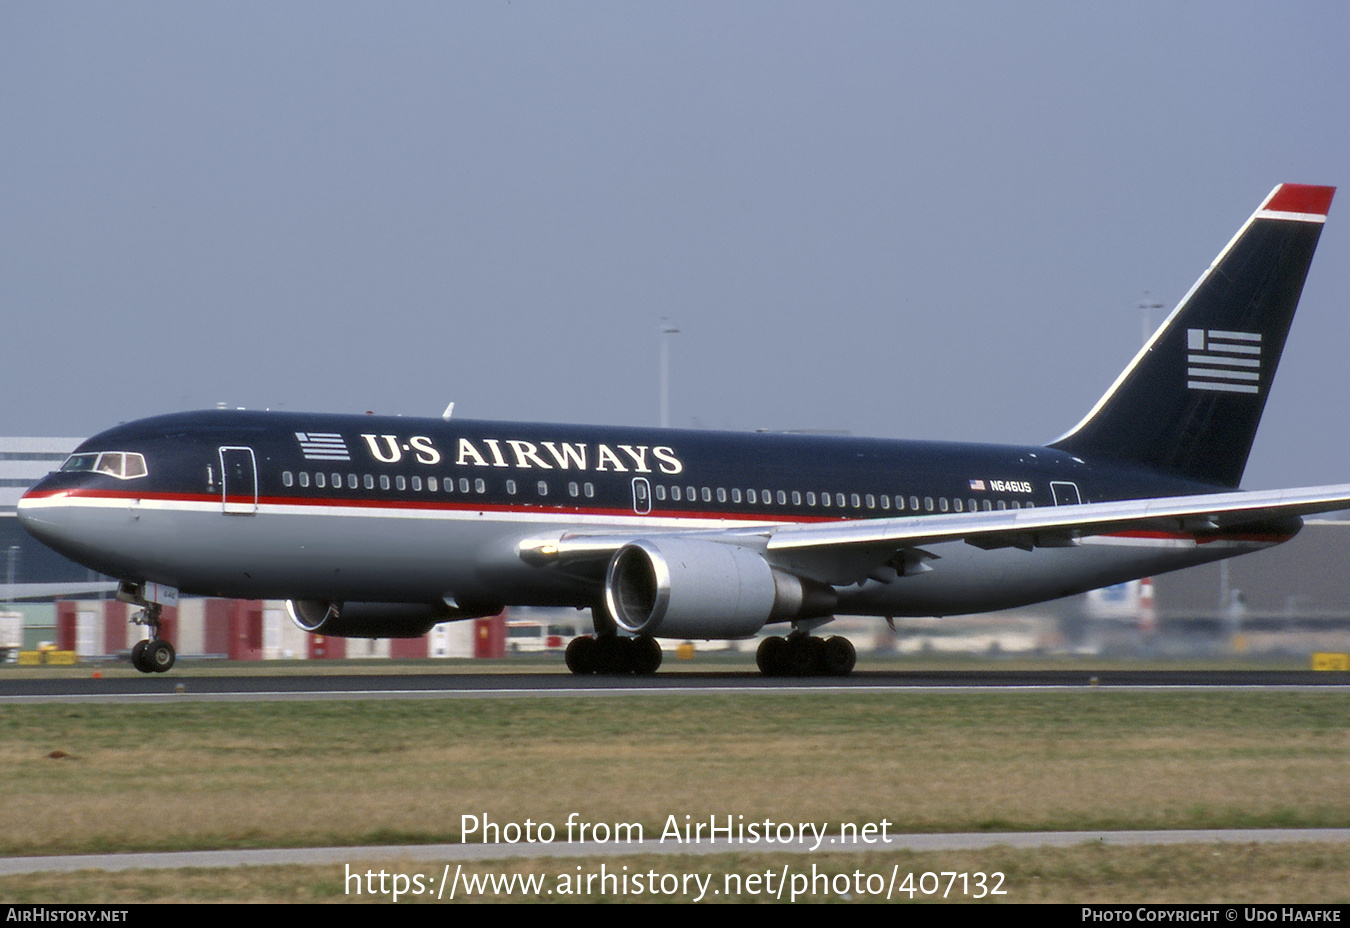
(323, 446)
(1229, 362)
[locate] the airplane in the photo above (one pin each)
(384, 526)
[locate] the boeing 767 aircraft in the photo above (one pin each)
(383, 526)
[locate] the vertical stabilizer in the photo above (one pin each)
(1190, 401)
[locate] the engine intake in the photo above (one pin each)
(688, 588)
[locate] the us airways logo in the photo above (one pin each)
(528, 455)
(322, 446)
(1224, 361)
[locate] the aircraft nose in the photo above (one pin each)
(42, 514)
(46, 513)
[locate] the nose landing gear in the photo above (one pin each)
(153, 654)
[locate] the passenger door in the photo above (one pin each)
(238, 481)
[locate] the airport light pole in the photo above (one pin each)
(1147, 309)
(666, 330)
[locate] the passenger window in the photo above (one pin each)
(751, 496)
(337, 481)
(543, 488)
(856, 500)
(660, 491)
(480, 485)
(675, 494)
(432, 485)
(304, 478)
(956, 504)
(417, 483)
(796, 497)
(511, 488)
(721, 494)
(589, 488)
(319, 480)
(839, 500)
(810, 497)
(401, 482)
(782, 498)
(735, 494)
(370, 482)
(914, 503)
(942, 504)
(286, 478)
(351, 482)
(707, 495)
(464, 484)
(384, 481)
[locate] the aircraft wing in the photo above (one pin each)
(1047, 526)
(1051, 525)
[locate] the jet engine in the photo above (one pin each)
(374, 620)
(672, 587)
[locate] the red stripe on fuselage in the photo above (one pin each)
(470, 506)
(455, 505)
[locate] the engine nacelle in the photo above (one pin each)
(672, 587)
(374, 620)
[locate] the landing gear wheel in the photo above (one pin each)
(802, 656)
(158, 655)
(646, 656)
(838, 656)
(154, 654)
(580, 655)
(771, 656)
(613, 655)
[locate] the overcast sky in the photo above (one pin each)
(918, 221)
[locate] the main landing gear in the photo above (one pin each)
(613, 655)
(154, 654)
(801, 655)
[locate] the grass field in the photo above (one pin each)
(195, 775)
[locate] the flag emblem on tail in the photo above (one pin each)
(1218, 359)
(323, 446)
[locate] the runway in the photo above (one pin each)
(186, 685)
(438, 853)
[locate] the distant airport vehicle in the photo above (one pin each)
(525, 635)
(383, 526)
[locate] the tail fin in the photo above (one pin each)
(1190, 401)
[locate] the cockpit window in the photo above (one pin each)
(79, 462)
(124, 465)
